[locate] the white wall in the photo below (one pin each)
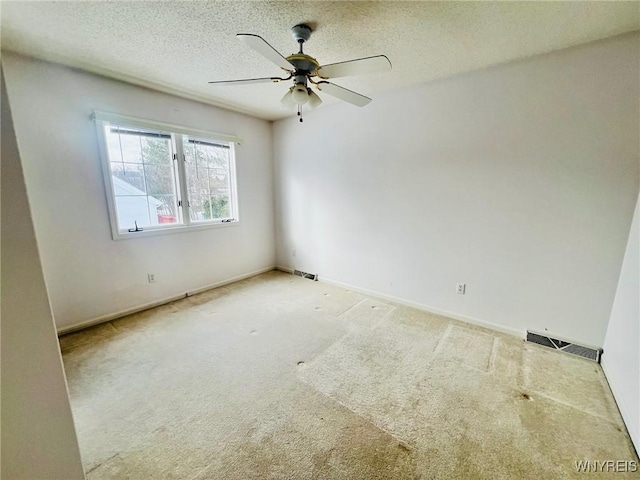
(38, 435)
(88, 274)
(621, 358)
(519, 180)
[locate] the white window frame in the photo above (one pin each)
(103, 119)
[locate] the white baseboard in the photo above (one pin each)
(231, 280)
(624, 408)
(123, 313)
(284, 269)
(419, 306)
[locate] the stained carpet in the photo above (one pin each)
(278, 377)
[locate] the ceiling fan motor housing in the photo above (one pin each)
(303, 63)
(300, 80)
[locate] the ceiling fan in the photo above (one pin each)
(305, 70)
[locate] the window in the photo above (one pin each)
(208, 179)
(164, 178)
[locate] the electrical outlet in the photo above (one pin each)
(460, 288)
(151, 277)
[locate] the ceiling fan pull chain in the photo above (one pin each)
(300, 112)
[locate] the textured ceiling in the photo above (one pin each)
(178, 46)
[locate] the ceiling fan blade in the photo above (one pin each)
(249, 81)
(360, 66)
(287, 100)
(314, 100)
(343, 94)
(261, 46)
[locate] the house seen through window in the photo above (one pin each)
(160, 179)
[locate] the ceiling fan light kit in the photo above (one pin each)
(303, 68)
(300, 94)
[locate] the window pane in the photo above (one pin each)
(163, 209)
(143, 177)
(219, 180)
(198, 179)
(156, 151)
(130, 146)
(217, 207)
(208, 180)
(128, 178)
(197, 208)
(113, 145)
(159, 179)
(201, 157)
(131, 209)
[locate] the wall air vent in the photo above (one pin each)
(567, 347)
(310, 276)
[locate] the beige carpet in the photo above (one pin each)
(277, 377)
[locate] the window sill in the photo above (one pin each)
(169, 230)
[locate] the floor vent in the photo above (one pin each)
(310, 276)
(572, 348)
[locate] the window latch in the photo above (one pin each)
(227, 220)
(137, 229)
